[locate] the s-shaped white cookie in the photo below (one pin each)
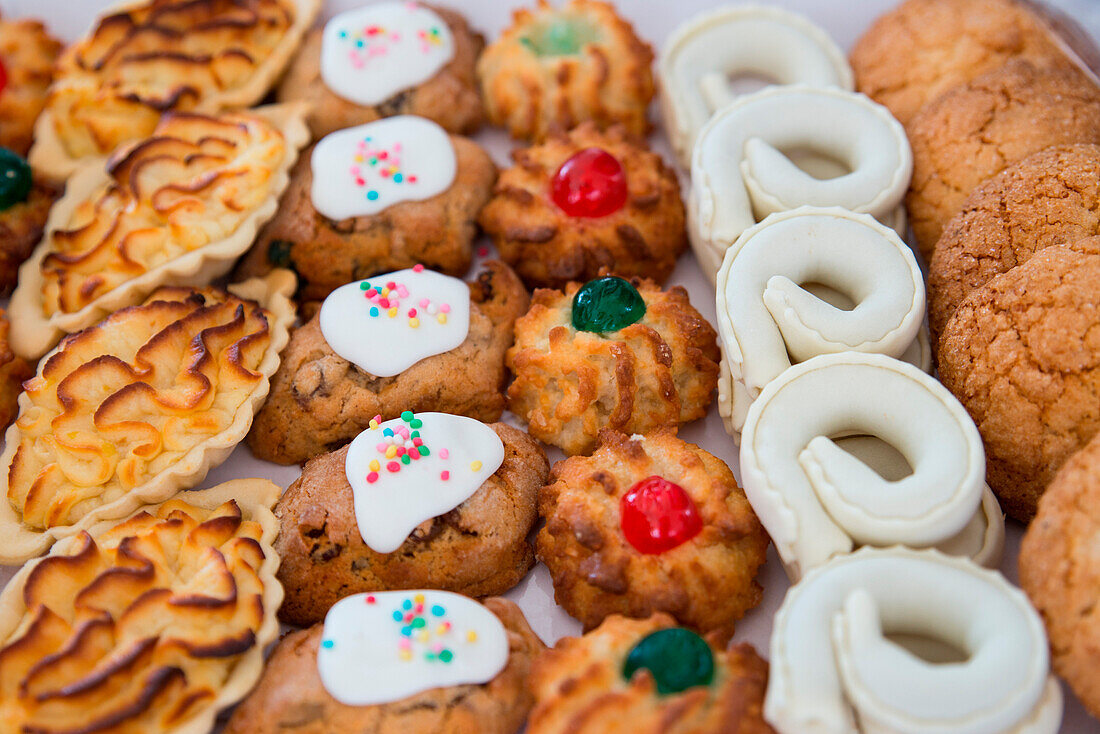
(835, 670)
(818, 500)
(741, 172)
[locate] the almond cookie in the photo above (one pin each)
(1022, 354)
(25, 203)
(650, 524)
(326, 394)
(1061, 573)
(1048, 198)
(610, 353)
(977, 130)
(583, 201)
(648, 675)
(386, 59)
(27, 56)
(477, 547)
(556, 67)
(363, 670)
(427, 189)
(923, 48)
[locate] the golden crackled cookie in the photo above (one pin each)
(554, 68)
(153, 624)
(177, 208)
(580, 688)
(27, 56)
(149, 57)
(137, 407)
(13, 370)
(660, 370)
(549, 247)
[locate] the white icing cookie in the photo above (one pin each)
(362, 170)
(835, 670)
(372, 53)
(416, 467)
(704, 53)
(817, 500)
(389, 645)
(390, 322)
(766, 317)
(740, 172)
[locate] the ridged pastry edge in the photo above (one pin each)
(18, 543)
(49, 158)
(255, 497)
(33, 333)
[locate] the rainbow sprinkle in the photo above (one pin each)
(400, 447)
(386, 163)
(387, 297)
(427, 628)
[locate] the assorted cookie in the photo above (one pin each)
(25, 202)
(27, 56)
(423, 661)
(556, 67)
(375, 198)
(585, 201)
(447, 506)
(13, 371)
(610, 353)
(409, 340)
(385, 59)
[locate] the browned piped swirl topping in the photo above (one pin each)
(192, 184)
(126, 399)
(113, 85)
(136, 630)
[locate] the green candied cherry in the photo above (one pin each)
(607, 304)
(559, 37)
(677, 658)
(15, 179)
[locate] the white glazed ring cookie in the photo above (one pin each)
(741, 172)
(867, 296)
(834, 669)
(707, 51)
(817, 500)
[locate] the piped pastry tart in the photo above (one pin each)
(177, 208)
(137, 407)
(151, 624)
(149, 57)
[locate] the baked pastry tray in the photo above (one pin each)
(654, 20)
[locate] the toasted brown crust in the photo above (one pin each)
(478, 549)
(609, 81)
(451, 97)
(1060, 571)
(290, 698)
(436, 232)
(660, 371)
(579, 687)
(13, 371)
(548, 248)
(707, 582)
(1022, 354)
(977, 130)
(1051, 197)
(28, 53)
(21, 229)
(923, 48)
(319, 401)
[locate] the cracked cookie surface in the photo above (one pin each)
(1022, 354)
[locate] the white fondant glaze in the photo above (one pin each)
(708, 50)
(372, 53)
(362, 170)
(867, 296)
(362, 661)
(385, 345)
(835, 672)
(390, 504)
(740, 173)
(817, 500)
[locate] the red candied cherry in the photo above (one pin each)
(590, 184)
(658, 515)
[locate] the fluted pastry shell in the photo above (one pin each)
(199, 569)
(175, 209)
(138, 407)
(146, 57)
